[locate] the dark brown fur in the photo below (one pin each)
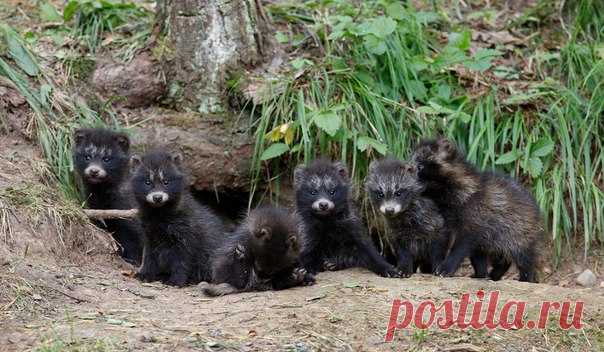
(261, 255)
(491, 215)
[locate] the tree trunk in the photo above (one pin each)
(208, 40)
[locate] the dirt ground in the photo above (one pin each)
(100, 308)
(62, 289)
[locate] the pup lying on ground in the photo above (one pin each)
(261, 255)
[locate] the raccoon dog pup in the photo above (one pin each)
(179, 233)
(415, 226)
(100, 158)
(261, 255)
(334, 238)
(492, 216)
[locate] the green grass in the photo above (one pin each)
(375, 77)
(381, 80)
(91, 19)
(55, 114)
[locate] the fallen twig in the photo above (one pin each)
(102, 214)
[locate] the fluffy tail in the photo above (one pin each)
(217, 290)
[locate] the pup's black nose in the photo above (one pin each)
(157, 198)
(389, 210)
(323, 205)
(94, 172)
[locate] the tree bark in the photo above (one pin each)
(208, 40)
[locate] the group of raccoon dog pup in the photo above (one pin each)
(439, 209)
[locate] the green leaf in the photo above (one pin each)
(299, 63)
(509, 157)
(328, 121)
(418, 89)
(425, 17)
(48, 13)
(281, 37)
(364, 142)
(535, 166)
(70, 10)
(274, 150)
(381, 26)
(482, 59)
(374, 44)
(396, 11)
(543, 147)
(461, 40)
(17, 51)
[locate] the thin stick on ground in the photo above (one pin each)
(103, 214)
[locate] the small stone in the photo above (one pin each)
(146, 337)
(587, 278)
(602, 284)
(36, 297)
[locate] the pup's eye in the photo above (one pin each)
(398, 193)
(106, 159)
(166, 182)
(148, 182)
(420, 167)
(379, 194)
(87, 157)
(314, 192)
(332, 192)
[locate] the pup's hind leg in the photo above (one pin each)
(500, 267)
(480, 264)
(526, 261)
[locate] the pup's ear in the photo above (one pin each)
(292, 240)
(411, 168)
(79, 136)
(135, 163)
(372, 166)
(299, 175)
(123, 141)
(446, 145)
(264, 233)
(177, 159)
(342, 170)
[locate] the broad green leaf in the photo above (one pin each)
(374, 44)
(396, 11)
(328, 121)
(382, 26)
(509, 157)
(70, 10)
(535, 166)
(444, 91)
(300, 63)
(418, 89)
(48, 13)
(461, 40)
(274, 150)
(18, 53)
(363, 143)
(281, 37)
(481, 61)
(543, 147)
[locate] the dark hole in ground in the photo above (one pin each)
(230, 205)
